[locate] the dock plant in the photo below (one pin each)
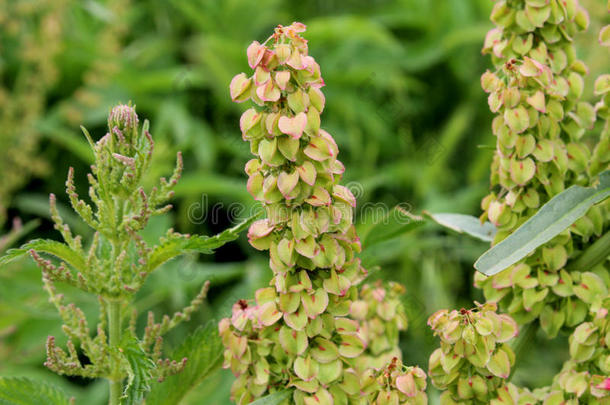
(541, 150)
(474, 361)
(549, 159)
(547, 148)
(314, 331)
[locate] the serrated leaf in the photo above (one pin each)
(204, 350)
(24, 391)
(392, 225)
(180, 244)
(274, 399)
(552, 218)
(52, 247)
(466, 224)
(140, 371)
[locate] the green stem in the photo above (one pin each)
(593, 255)
(597, 160)
(114, 331)
(522, 344)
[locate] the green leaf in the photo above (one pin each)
(204, 351)
(395, 223)
(15, 234)
(73, 141)
(552, 218)
(24, 391)
(177, 245)
(52, 247)
(140, 371)
(465, 224)
(274, 399)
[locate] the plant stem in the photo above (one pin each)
(114, 331)
(523, 342)
(595, 254)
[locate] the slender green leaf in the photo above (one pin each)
(203, 350)
(180, 244)
(15, 234)
(24, 391)
(73, 141)
(395, 223)
(465, 224)
(273, 399)
(52, 247)
(552, 218)
(140, 371)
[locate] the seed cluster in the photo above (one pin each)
(586, 376)
(473, 361)
(311, 329)
(544, 145)
(541, 150)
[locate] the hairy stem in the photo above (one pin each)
(114, 331)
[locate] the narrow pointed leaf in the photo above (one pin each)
(467, 224)
(555, 216)
(394, 224)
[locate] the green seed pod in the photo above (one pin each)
(474, 360)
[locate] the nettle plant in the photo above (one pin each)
(313, 336)
(113, 267)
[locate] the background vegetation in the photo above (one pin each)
(403, 102)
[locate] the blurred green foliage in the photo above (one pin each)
(403, 102)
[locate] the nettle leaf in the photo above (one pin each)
(553, 217)
(397, 222)
(140, 372)
(24, 391)
(177, 244)
(273, 399)
(52, 247)
(466, 224)
(204, 351)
